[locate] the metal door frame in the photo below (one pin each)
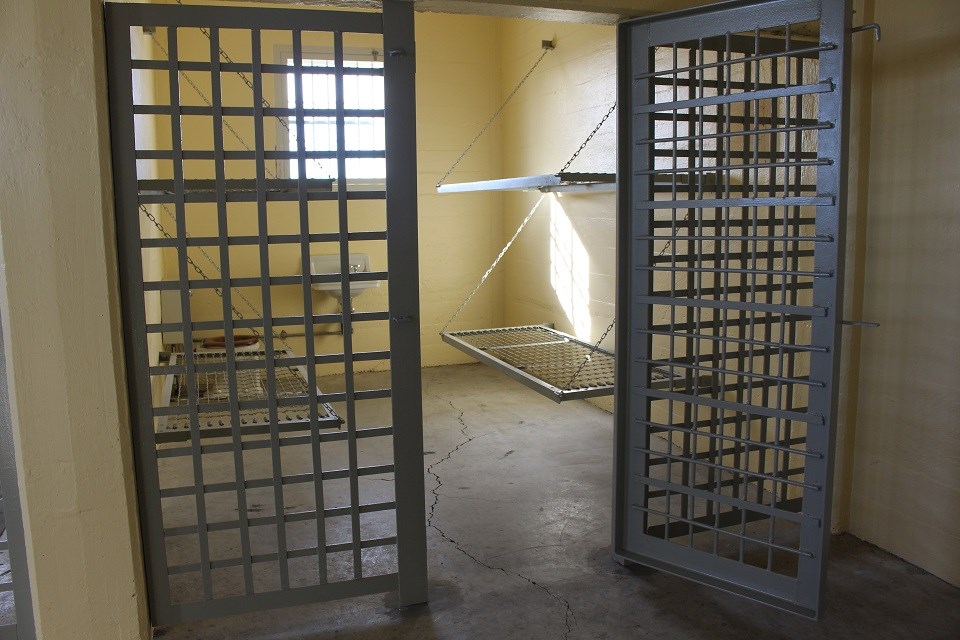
(397, 26)
(636, 42)
(19, 584)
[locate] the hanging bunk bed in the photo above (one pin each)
(555, 364)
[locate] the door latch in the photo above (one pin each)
(870, 26)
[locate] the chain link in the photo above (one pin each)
(236, 312)
(246, 80)
(496, 114)
(593, 350)
(596, 347)
(589, 137)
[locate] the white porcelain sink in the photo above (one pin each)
(324, 264)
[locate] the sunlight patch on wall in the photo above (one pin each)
(569, 270)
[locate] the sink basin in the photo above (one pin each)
(359, 263)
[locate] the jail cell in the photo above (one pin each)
(272, 336)
(733, 261)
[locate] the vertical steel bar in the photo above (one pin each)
(183, 273)
(401, 144)
(267, 306)
(346, 311)
(827, 293)
(130, 258)
(227, 299)
(309, 337)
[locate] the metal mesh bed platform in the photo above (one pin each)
(214, 397)
(544, 359)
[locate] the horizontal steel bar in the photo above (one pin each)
(257, 323)
(658, 427)
(737, 167)
(285, 441)
(261, 483)
(702, 303)
(203, 154)
(746, 96)
(261, 521)
(331, 421)
(728, 405)
(759, 272)
(725, 203)
(253, 196)
(243, 18)
(203, 185)
(729, 119)
(759, 343)
(249, 112)
(174, 285)
(742, 292)
(730, 372)
(218, 367)
(292, 238)
(290, 553)
(258, 405)
(699, 524)
(820, 126)
(690, 238)
(246, 67)
(725, 532)
(732, 61)
(739, 503)
(722, 467)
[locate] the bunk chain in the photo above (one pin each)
(589, 137)
(596, 346)
(489, 123)
(200, 272)
(593, 350)
(493, 266)
(246, 80)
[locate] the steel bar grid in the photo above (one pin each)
(243, 463)
(217, 383)
(727, 480)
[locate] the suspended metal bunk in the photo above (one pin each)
(549, 183)
(214, 413)
(555, 364)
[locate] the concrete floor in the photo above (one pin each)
(518, 498)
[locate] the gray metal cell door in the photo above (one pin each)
(265, 179)
(731, 218)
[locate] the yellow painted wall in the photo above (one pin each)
(61, 312)
(906, 479)
(562, 267)
(457, 89)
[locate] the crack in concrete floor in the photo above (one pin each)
(569, 619)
